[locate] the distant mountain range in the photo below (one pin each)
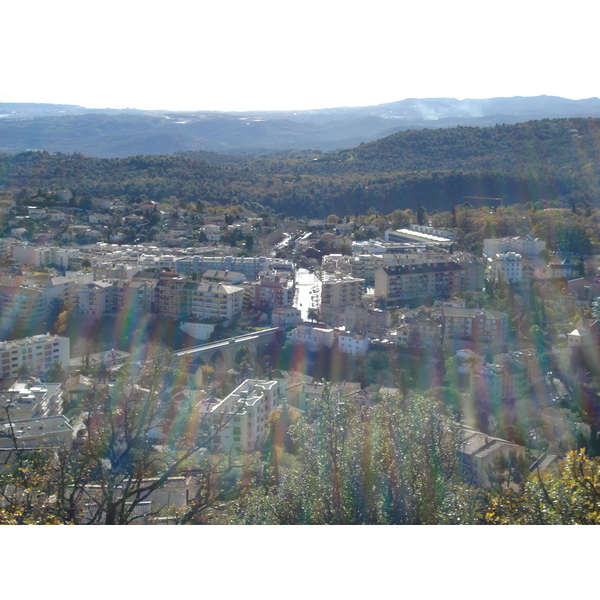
(111, 133)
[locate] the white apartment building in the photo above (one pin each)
(313, 337)
(94, 299)
(242, 417)
(63, 288)
(34, 255)
(66, 255)
(506, 267)
(37, 353)
(526, 246)
(356, 345)
(218, 301)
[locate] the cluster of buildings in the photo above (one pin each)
(31, 416)
(410, 277)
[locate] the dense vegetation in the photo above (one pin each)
(338, 463)
(548, 162)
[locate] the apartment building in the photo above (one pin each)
(481, 326)
(37, 353)
(313, 336)
(21, 304)
(95, 299)
(241, 419)
(138, 296)
(404, 283)
(216, 301)
(111, 270)
(353, 344)
(250, 266)
(268, 294)
(62, 288)
(36, 256)
(365, 265)
(173, 296)
(337, 294)
(506, 267)
(525, 246)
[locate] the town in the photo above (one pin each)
(197, 337)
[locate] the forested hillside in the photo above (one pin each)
(551, 162)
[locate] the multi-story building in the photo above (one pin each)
(478, 453)
(21, 304)
(240, 421)
(404, 283)
(173, 295)
(480, 326)
(526, 246)
(313, 336)
(249, 266)
(561, 269)
(506, 267)
(337, 294)
(65, 257)
(95, 299)
(37, 353)
(138, 297)
(111, 270)
(216, 301)
(37, 256)
(24, 400)
(62, 288)
(354, 344)
(268, 294)
(424, 331)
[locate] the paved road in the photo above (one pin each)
(308, 292)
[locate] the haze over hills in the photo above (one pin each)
(113, 133)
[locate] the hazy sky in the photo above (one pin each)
(264, 54)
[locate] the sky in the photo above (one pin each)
(235, 55)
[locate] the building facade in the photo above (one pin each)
(240, 421)
(404, 283)
(37, 353)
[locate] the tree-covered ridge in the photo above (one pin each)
(552, 161)
(534, 145)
